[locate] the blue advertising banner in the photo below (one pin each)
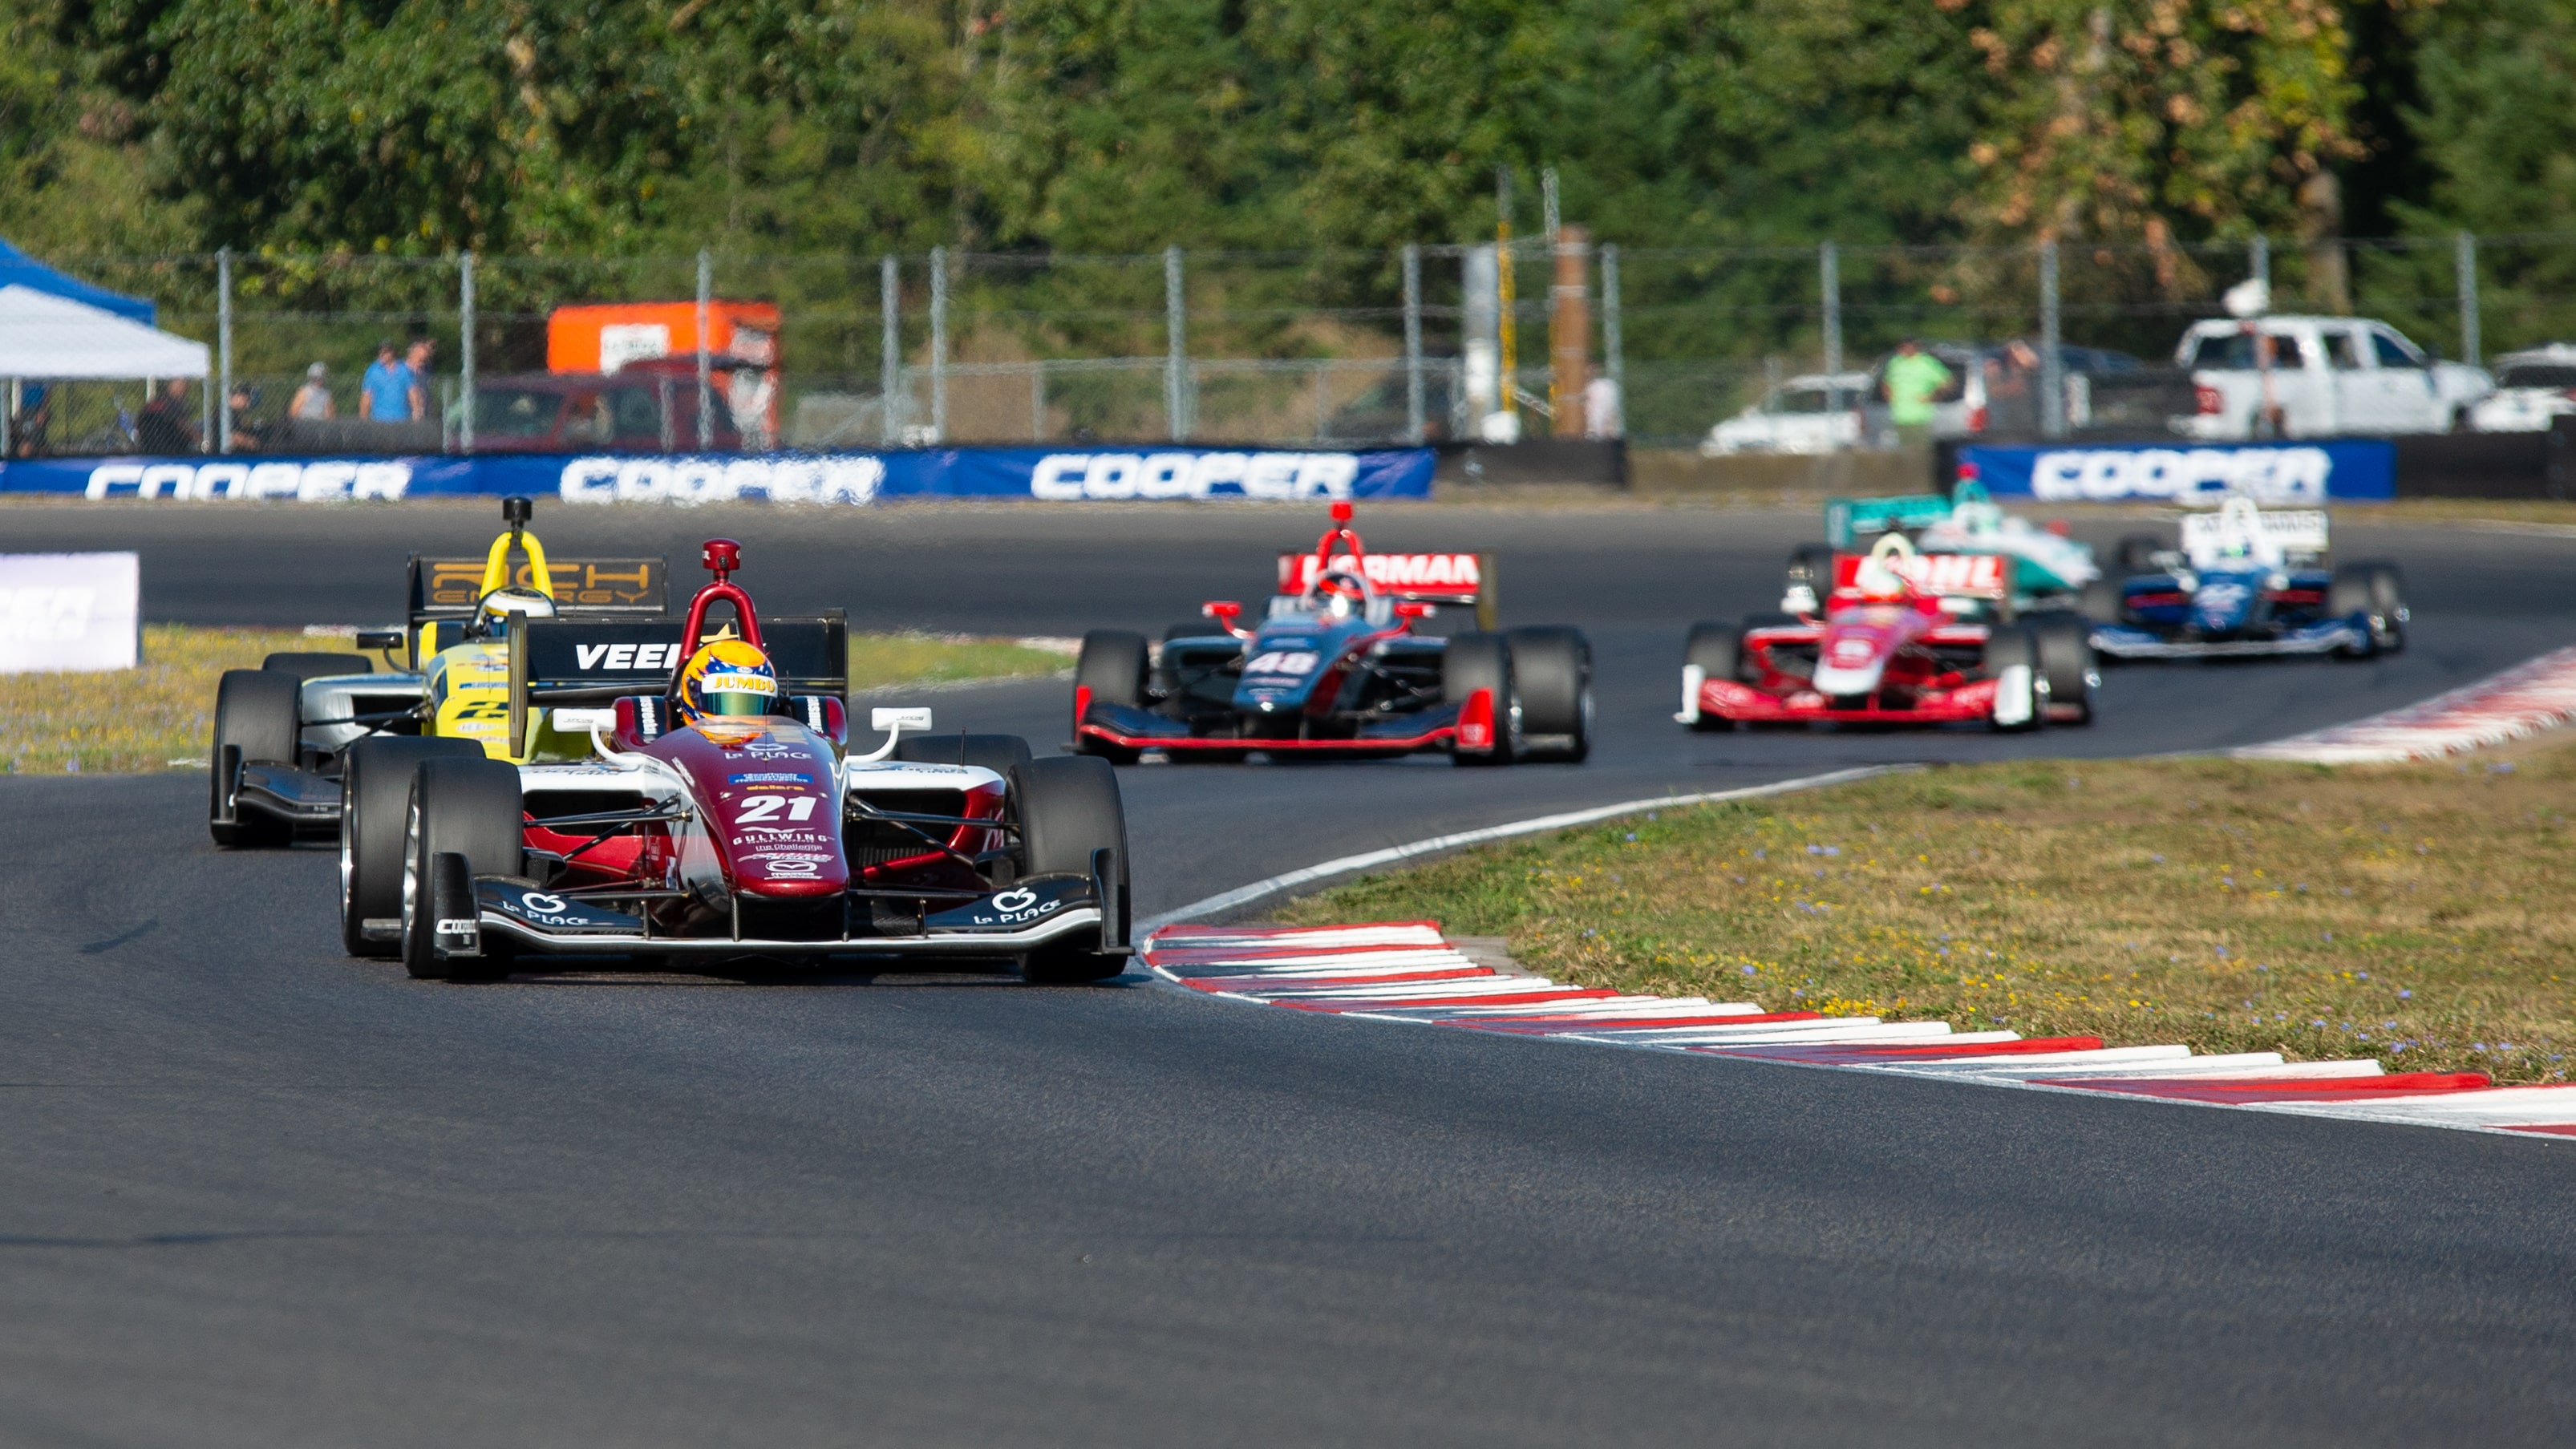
(2338, 469)
(1101, 474)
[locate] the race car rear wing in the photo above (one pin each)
(2239, 530)
(443, 590)
(559, 662)
(1853, 522)
(1463, 580)
(1982, 576)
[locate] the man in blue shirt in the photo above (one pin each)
(384, 394)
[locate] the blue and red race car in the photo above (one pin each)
(2247, 582)
(1343, 663)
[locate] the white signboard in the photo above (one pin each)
(70, 611)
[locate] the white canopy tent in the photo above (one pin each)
(56, 338)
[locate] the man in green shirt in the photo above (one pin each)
(1914, 378)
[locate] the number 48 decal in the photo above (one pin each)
(766, 807)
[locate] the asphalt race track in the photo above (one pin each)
(259, 1194)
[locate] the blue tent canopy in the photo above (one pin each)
(22, 270)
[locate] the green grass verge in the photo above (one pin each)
(2412, 913)
(158, 716)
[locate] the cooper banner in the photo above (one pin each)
(2288, 472)
(1091, 475)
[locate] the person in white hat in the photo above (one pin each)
(312, 401)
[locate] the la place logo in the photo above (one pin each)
(542, 903)
(1019, 900)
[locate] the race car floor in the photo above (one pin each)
(260, 1194)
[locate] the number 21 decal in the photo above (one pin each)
(766, 807)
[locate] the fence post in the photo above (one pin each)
(2258, 260)
(1613, 356)
(2052, 366)
(1413, 419)
(706, 389)
(1176, 328)
(465, 349)
(1037, 401)
(890, 361)
(224, 348)
(2467, 261)
(939, 344)
(1829, 287)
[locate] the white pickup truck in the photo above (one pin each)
(2305, 377)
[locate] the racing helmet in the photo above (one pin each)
(727, 679)
(1877, 578)
(493, 611)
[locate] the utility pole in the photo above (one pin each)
(1413, 419)
(1510, 324)
(224, 348)
(1176, 361)
(706, 386)
(465, 349)
(890, 395)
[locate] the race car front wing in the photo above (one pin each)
(2127, 641)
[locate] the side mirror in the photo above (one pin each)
(380, 639)
(1225, 612)
(904, 717)
(1408, 609)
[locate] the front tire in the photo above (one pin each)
(255, 723)
(467, 808)
(375, 800)
(2010, 647)
(1552, 669)
(1069, 808)
(1475, 661)
(1113, 666)
(2066, 661)
(2377, 591)
(1718, 652)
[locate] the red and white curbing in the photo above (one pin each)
(1407, 971)
(2523, 700)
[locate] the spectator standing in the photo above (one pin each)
(165, 424)
(1913, 379)
(312, 402)
(417, 364)
(27, 432)
(384, 393)
(247, 436)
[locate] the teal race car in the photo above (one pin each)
(2049, 570)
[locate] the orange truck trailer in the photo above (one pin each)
(603, 337)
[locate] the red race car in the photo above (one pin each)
(707, 811)
(1906, 638)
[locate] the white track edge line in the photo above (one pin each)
(1247, 894)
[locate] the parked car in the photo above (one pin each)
(2299, 377)
(1994, 389)
(2531, 388)
(1815, 413)
(643, 407)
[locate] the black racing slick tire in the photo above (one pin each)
(2375, 589)
(2066, 661)
(2138, 553)
(1069, 809)
(1000, 754)
(1717, 650)
(1552, 670)
(375, 796)
(1113, 666)
(1475, 661)
(255, 723)
(315, 666)
(467, 808)
(2010, 645)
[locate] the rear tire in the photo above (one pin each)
(2138, 553)
(2377, 590)
(1000, 754)
(2066, 661)
(1069, 807)
(255, 715)
(315, 666)
(1718, 650)
(1475, 661)
(1552, 667)
(1112, 666)
(2011, 645)
(462, 807)
(375, 797)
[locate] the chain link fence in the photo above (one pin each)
(1290, 348)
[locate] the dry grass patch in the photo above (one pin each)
(161, 715)
(2414, 913)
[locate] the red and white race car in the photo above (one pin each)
(1905, 638)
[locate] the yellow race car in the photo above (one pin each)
(282, 731)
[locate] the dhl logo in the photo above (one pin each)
(1396, 573)
(597, 583)
(1951, 575)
